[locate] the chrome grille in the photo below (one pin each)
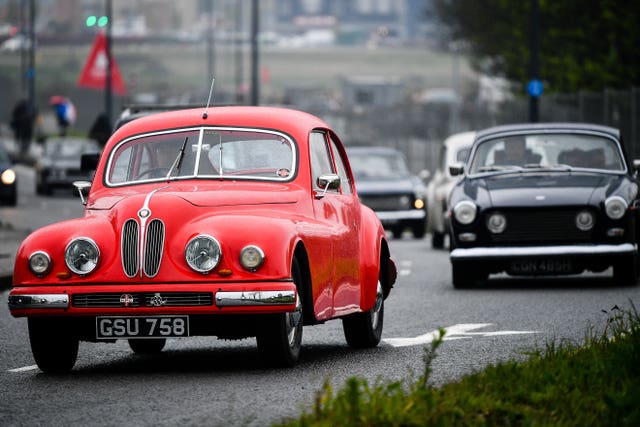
(130, 238)
(153, 247)
(547, 226)
(170, 299)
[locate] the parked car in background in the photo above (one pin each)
(386, 185)
(232, 222)
(454, 150)
(8, 179)
(545, 199)
(59, 165)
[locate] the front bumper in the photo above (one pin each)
(262, 297)
(394, 217)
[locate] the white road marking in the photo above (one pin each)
(24, 369)
(405, 267)
(455, 332)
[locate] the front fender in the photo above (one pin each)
(374, 259)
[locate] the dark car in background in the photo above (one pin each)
(545, 199)
(8, 179)
(386, 185)
(59, 165)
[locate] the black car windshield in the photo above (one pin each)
(372, 165)
(560, 151)
(202, 153)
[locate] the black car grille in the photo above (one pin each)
(548, 226)
(387, 202)
(153, 246)
(143, 299)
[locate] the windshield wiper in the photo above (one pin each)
(177, 163)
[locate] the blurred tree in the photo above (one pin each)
(584, 44)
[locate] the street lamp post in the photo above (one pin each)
(108, 97)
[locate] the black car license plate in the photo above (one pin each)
(541, 266)
(141, 327)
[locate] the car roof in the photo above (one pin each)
(547, 128)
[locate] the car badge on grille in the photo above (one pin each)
(144, 213)
(157, 300)
(126, 300)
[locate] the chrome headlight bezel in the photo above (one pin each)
(251, 257)
(615, 207)
(203, 253)
(82, 255)
(496, 223)
(40, 263)
(465, 212)
(585, 220)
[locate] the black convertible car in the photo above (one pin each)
(545, 199)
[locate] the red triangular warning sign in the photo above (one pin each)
(94, 72)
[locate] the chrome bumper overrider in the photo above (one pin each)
(39, 301)
(461, 254)
(233, 299)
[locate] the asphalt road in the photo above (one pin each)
(205, 381)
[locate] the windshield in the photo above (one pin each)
(562, 150)
(378, 165)
(203, 153)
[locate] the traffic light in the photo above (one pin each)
(100, 21)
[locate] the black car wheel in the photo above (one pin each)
(53, 345)
(364, 330)
(279, 336)
(464, 276)
(625, 271)
(419, 230)
(147, 346)
(10, 200)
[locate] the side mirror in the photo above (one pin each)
(89, 162)
(636, 165)
(327, 182)
(83, 190)
(456, 169)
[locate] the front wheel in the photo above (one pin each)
(625, 271)
(364, 330)
(279, 335)
(147, 346)
(54, 347)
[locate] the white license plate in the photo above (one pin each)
(544, 266)
(110, 327)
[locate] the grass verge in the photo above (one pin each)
(597, 383)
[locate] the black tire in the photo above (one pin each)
(279, 335)
(54, 347)
(625, 272)
(397, 232)
(364, 330)
(437, 240)
(147, 346)
(419, 230)
(464, 276)
(12, 200)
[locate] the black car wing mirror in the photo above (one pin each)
(327, 182)
(636, 165)
(456, 169)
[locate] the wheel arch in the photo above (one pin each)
(305, 289)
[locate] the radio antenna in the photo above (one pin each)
(205, 115)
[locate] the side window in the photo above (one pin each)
(345, 182)
(320, 157)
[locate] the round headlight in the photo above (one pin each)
(465, 212)
(8, 177)
(615, 207)
(251, 257)
(496, 223)
(203, 253)
(39, 263)
(584, 220)
(82, 255)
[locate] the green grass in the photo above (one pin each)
(594, 384)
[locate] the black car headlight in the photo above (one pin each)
(82, 255)
(465, 212)
(584, 220)
(496, 223)
(615, 207)
(203, 253)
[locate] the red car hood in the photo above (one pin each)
(212, 196)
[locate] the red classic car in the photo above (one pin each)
(236, 222)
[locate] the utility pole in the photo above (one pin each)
(108, 91)
(255, 82)
(534, 87)
(31, 73)
(238, 43)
